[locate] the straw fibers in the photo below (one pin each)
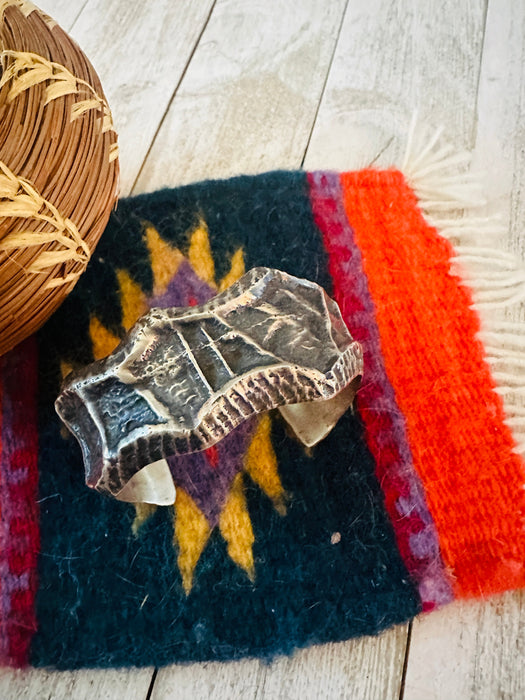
(58, 167)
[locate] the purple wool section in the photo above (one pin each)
(206, 476)
(424, 562)
(184, 289)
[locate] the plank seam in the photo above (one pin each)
(177, 86)
(73, 23)
(474, 135)
(405, 662)
(152, 683)
(323, 89)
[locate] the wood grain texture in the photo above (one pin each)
(65, 12)
(362, 668)
(369, 667)
(249, 97)
(32, 684)
(140, 51)
(394, 58)
(469, 651)
(499, 154)
(237, 680)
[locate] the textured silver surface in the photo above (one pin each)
(184, 378)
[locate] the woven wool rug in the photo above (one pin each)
(415, 498)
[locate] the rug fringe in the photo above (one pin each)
(450, 197)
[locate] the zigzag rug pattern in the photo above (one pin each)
(416, 497)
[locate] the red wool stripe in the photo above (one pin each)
(19, 525)
(461, 448)
(385, 429)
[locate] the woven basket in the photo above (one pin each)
(58, 167)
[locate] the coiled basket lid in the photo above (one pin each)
(58, 167)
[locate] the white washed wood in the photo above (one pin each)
(477, 651)
(393, 58)
(140, 51)
(353, 669)
(65, 12)
(363, 668)
(248, 100)
(32, 684)
(469, 651)
(499, 153)
(238, 680)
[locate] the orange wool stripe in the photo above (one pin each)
(461, 447)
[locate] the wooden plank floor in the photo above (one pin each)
(212, 88)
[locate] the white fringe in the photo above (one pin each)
(449, 196)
